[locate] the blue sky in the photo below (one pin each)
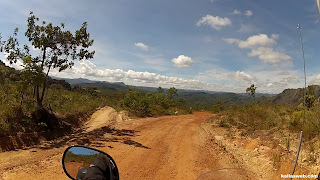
(220, 45)
(82, 150)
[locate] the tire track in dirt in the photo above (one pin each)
(168, 147)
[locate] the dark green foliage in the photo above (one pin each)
(57, 49)
(153, 104)
(172, 92)
(257, 117)
(310, 96)
(310, 125)
(137, 103)
(19, 111)
(217, 107)
(252, 91)
(269, 116)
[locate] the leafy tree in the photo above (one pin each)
(172, 92)
(310, 97)
(57, 49)
(180, 102)
(137, 103)
(160, 90)
(251, 91)
(217, 107)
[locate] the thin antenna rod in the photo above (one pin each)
(304, 99)
(304, 67)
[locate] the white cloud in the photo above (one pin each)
(18, 65)
(236, 12)
(268, 55)
(267, 81)
(142, 46)
(218, 79)
(244, 77)
(182, 61)
(211, 1)
(269, 84)
(275, 36)
(215, 22)
(248, 13)
(261, 46)
(86, 69)
(252, 41)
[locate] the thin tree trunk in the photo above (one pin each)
(34, 91)
(40, 99)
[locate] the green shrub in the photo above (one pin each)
(153, 104)
(307, 121)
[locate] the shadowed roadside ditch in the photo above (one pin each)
(96, 138)
(65, 131)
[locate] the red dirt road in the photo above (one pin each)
(168, 147)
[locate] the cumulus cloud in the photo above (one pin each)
(215, 22)
(268, 55)
(182, 61)
(86, 69)
(252, 41)
(244, 77)
(248, 13)
(142, 46)
(267, 81)
(236, 12)
(18, 65)
(261, 46)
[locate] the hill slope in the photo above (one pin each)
(293, 96)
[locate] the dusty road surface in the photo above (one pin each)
(72, 168)
(168, 147)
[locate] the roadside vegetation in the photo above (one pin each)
(31, 101)
(19, 110)
(143, 104)
(268, 116)
(64, 105)
(280, 123)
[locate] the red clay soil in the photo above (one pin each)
(168, 147)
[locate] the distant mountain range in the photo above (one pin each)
(293, 96)
(206, 98)
(87, 81)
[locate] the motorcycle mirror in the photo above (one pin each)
(77, 159)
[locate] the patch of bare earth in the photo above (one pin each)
(263, 153)
(168, 147)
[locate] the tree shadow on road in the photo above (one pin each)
(96, 138)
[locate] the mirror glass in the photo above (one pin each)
(77, 159)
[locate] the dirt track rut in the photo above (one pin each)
(168, 147)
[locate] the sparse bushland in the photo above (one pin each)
(142, 104)
(28, 103)
(19, 110)
(268, 116)
(279, 124)
(257, 117)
